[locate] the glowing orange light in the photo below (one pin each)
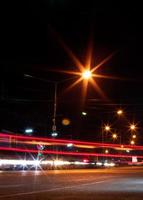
(120, 112)
(132, 142)
(134, 136)
(114, 136)
(132, 127)
(106, 151)
(86, 74)
(107, 128)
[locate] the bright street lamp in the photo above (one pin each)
(107, 128)
(134, 136)
(114, 136)
(84, 113)
(106, 151)
(132, 127)
(119, 112)
(87, 74)
(132, 142)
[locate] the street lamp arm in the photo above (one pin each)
(46, 80)
(40, 79)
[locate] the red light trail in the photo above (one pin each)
(62, 141)
(68, 153)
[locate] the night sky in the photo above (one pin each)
(31, 35)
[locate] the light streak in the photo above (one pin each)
(62, 141)
(68, 153)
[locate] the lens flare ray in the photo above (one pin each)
(103, 61)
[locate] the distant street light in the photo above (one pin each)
(114, 136)
(84, 113)
(106, 151)
(107, 128)
(132, 127)
(87, 74)
(134, 136)
(119, 112)
(132, 142)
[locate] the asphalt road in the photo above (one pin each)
(99, 184)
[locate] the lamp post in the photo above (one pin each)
(54, 127)
(85, 75)
(56, 83)
(104, 128)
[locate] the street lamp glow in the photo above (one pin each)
(114, 136)
(120, 112)
(132, 142)
(84, 113)
(106, 151)
(134, 136)
(132, 127)
(86, 74)
(107, 128)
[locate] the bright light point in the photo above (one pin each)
(29, 130)
(132, 142)
(84, 113)
(86, 74)
(69, 145)
(132, 127)
(134, 136)
(107, 128)
(114, 136)
(128, 151)
(54, 134)
(106, 151)
(120, 112)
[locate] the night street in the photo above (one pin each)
(116, 183)
(71, 100)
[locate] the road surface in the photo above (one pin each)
(124, 183)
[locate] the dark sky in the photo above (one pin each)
(30, 34)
